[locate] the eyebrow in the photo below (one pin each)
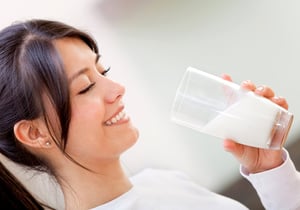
(82, 71)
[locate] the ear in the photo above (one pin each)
(32, 134)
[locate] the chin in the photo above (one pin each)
(135, 134)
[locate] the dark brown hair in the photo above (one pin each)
(30, 68)
(13, 195)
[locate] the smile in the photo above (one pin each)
(121, 115)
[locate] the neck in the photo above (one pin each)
(85, 189)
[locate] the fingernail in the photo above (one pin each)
(260, 88)
(276, 98)
(246, 82)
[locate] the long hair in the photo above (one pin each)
(31, 68)
(13, 194)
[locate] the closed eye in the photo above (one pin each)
(87, 88)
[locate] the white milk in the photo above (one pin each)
(249, 121)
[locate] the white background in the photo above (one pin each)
(149, 44)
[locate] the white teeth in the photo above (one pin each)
(115, 119)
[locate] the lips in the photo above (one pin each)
(118, 117)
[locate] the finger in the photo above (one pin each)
(229, 145)
(247, 84)
(264, 91)
(227, 77)
(235, 148)
(280, 101)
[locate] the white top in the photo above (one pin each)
(172, 190)
(278, 188)
(168, 190)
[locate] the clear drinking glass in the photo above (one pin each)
(223, 109)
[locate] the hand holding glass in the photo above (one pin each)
(223, 109)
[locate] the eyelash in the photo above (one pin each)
(87, 88)
(104, 73)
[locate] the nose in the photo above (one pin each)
(114, 91)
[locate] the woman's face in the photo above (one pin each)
(99, 128)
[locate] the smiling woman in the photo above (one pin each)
(59, 113)
(97, 108)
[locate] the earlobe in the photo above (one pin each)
(30, 134)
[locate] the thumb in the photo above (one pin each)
(234, 148)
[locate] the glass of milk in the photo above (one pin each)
(223, 109)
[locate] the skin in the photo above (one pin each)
(256, 160)
(95, 99)
(103, 143)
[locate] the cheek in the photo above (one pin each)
(86, 119)
(90, 110)
(86, 128)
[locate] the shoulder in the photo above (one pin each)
(169, 189)
(176, 189)
(152, 176)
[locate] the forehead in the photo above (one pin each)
(74, 53)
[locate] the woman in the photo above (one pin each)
(60, 114)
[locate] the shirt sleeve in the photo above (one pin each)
(278, 188)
